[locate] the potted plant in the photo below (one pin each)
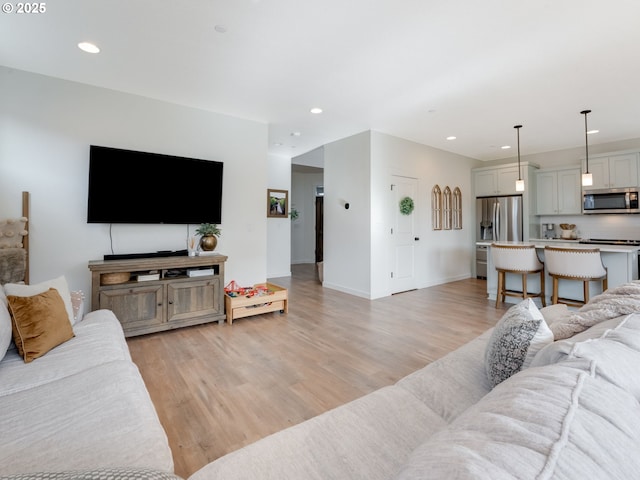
(209, 233)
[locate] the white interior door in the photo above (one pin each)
(403, 235)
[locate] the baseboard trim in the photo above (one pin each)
(344, 289)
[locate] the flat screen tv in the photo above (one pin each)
(127, 186)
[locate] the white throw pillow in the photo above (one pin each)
(515, 340)
(3, 296)
(5, 329)
(60, 284)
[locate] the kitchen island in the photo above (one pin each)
(621, 262)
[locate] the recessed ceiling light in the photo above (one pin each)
(316, 110)
(295, 134)
(505, 147)
(220, 29)
(591, 132)
(277, 144)
(451, 137)
(88, 47)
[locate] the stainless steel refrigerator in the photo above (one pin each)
(498, 219)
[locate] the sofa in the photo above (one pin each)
(546, 393)
(79, 406)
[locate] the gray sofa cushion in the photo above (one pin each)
(576, 419)
(454, 382)
(368, 438)
(99, 417)
(98, 339)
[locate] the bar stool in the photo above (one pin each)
(522, 260)
(584, 265)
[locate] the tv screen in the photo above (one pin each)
(126, 186)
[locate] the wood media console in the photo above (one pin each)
(161, 293)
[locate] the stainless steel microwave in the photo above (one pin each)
(610, 200)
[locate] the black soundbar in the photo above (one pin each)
(161, 253)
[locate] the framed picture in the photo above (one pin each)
(277, 203)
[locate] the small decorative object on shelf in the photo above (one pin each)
(209, 236)
(406, 206)
(192, 246)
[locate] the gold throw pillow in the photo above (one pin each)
(40, 323)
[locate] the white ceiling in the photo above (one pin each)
(417, 69)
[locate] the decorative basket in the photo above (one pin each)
(114, 278)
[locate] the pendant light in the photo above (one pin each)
(519, 182)
(587, 178)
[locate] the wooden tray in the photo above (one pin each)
(243, 306)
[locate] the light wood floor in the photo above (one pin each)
(218, 387)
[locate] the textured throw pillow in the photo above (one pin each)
(5, 329)
(60, 284)
(617, 301)
(40, 323)
(515, 340)
(555, 313)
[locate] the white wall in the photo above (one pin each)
(357, 247)
(347, 232)
(314, 158)
(303, 229)
(441, 255)
(46, 127)
(278, 229)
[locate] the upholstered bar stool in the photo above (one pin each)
(583, 265)
(517, 259)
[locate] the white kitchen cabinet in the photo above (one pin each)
(558, 191)
(497, 181)
(614, 171)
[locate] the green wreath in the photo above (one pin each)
(406, 206)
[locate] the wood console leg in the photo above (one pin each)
(499, 295)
